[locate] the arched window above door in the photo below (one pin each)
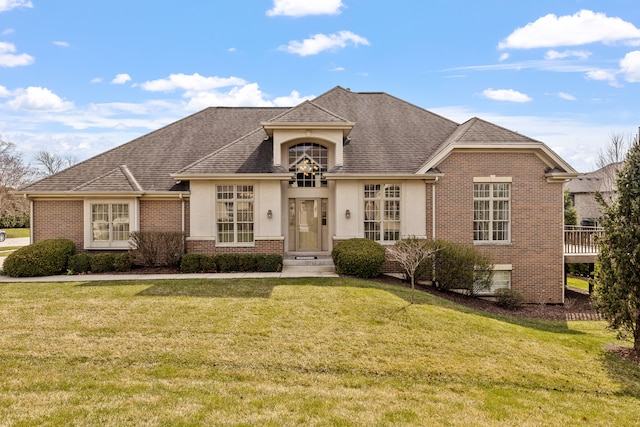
(308, 164)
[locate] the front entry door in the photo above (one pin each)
(308, 221)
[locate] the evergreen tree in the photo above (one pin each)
(617, 290)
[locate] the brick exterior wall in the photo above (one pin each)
(162, 215)
(535, 251)
(208, 247)
(54, 219)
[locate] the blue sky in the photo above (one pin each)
(79, 77)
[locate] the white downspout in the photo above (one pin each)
(30, 220)
(433, 209)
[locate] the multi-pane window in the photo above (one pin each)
(501, 279)
(382, 212)
(234, 206)
(308, 163)
(491, 212)
(110, 222)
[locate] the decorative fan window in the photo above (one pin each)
(308, 164)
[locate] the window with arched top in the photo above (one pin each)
(308, 164)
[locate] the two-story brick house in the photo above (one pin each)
(295, 181)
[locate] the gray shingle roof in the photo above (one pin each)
(153, 157)
(389, 136)
(602, 180)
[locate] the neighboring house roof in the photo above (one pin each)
(602, 180)
(386, 135)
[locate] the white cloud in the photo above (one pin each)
(554, 54)
(298, 8)
(96, 80)
(503, 57)
(9, 59)
(630, 66)
(293, 99)
(6, 5)
(566, 96)
(245, 95)
(38, 98)
(61, 43)
(601, 75)
(7, 32)
(505, 95)
(322, 42)
(571, 30)
(190, 82)
(121, 79)
(4, 92)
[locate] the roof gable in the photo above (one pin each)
(119, 179)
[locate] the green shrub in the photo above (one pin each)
(198, 263)
(122, 262)
(228, 263)
(247, 262)
(79, 263)
(102, 263)
(190, 263)
(359, 257)
(208, 264)
(269, 263)
(45, 258)
(508, 298)
(463, 267)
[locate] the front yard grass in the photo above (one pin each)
(280, 352)
(17, 232)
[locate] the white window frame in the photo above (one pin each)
(502, 279)
(110, 243)
(387, 214)
(492, 219)
(231, 207)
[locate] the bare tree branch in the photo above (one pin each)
(51, 163)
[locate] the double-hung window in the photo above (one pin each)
(491, 212)
(234, 208)
(382, 212)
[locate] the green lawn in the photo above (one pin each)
(320, 352)
(17, 232)
(576, 282)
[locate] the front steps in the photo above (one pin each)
(312, 265)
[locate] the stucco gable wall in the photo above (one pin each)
(536, 248)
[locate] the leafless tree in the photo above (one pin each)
(616, 150)
(51, 163)
(410, 253)
(14, 173)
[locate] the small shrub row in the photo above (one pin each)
(99, 263)
(45, 258)
(359, 257)
(228, 263)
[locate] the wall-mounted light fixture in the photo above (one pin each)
(347, 214)
(269, 214)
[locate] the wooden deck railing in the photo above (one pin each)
(581, 240)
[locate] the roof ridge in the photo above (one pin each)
(131, 178)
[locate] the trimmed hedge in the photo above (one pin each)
(227, 263)
(45, 258)
(79, 263)
(359, 257)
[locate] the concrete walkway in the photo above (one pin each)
(287, 272)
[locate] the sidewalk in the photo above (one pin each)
(287, 272)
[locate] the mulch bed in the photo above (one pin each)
(577, 304)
